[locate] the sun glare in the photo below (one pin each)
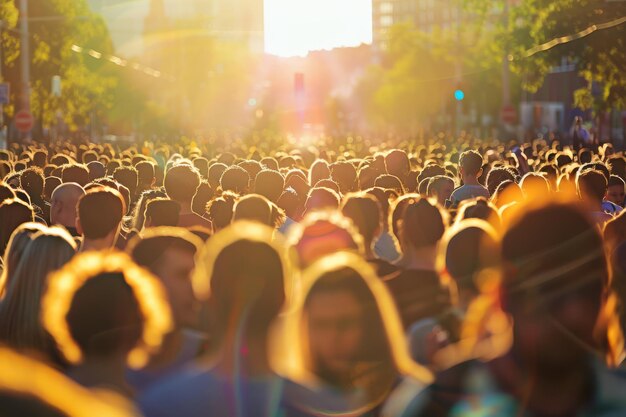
(295, 27)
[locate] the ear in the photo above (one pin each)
(79, 227)
(480, 172)
(147, 222)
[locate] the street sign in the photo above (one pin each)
(509, 115)
(5, 93)
(24, 121)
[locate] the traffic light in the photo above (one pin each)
(459, 94)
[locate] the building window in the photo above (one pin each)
(386, 21)
(386, 8)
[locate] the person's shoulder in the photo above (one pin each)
(182, 394)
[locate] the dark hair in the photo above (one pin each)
(365, 213)
(497, 176)
(32, 181)
(471, 162)
(235, 179)
(162, 212)
(148, 251)
(220, 209)
(181, 182)
(13, 213)
(320, 198)
(253, 207)
(269, 184)
(100, 212)
(128, 177)
(591, 184)
(344, 174)
(145, 172)
(391, 182)
(423, 223)
(104, 317)
(77, 173)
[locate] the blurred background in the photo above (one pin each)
(141, 69)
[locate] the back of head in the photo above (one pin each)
(202, 165)
(162, 212)
(215, 174)
(591, 185)
(269, 184)
(96, 170)
(497, 176)
(253, 207)
(397, 163)
(319, 171)
(423, 224)
(253, 291)
(13, 213)
(220, 210)
(104, 317)
(321, 198)
(235, 179)
(75, 173)
(148, 250)
(128, 177)
(100, 212)
(344, 174)
(471, 162)
(181, 182)
(145, 172)
(390, 182)
(366, 214)
(32, 181)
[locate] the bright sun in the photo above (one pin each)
(295, 27)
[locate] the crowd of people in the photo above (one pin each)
(455, 278)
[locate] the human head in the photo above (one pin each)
(77, 173)
(32, 181)
(18, 242)
(96, 170)
(423, 224)
(366, 215)
(248, 295)
(616, 190)
(215, 174)
(47, 251)
(13, 212)
(470, 164)
(220, 210)
(321, 199)
(534, 185)
(181, 182)
(344, 174)
(253, 207)
(320, 170)
(235, 179)
(497, 176)
(63, 204)
(103, 306)
(397, 164)
(51, 183)
(591, 186)
(140, 208)
(269, 184)
(100, 213)
(169, 253)
(389, 182)
(145, 175)
(479, 208)
(128, 177)
(555, 317)
(161, 212)
(441, 188)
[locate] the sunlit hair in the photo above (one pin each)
(18, 241)
(240, 231)
(479, 208)
(323, 232)
(20, 327)
(37, 385)
(296, 362)
(147, 289)
(139, 214)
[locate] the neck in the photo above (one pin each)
(421, 258)
(96, 245)
(185, 207)
(103, 372)
(169, 349)
(369, 251)
(470, 180)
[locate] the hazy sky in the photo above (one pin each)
(292, 27)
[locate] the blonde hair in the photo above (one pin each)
(19, 240)
(48, 251)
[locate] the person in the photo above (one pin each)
(32, 181)
(181, 182)
(467, 257)
(416, 288)
(269, 184)
(139, 215)
(13, 212)
(99, 220)
(397, 164)
(63, 206)
(169, 253)
(321, 199)
(615, 194)
(254, 207)
(235, 179)
(580, 136)
(470, 168)
(161, 212)
(20, 309)
(129, 178)
(220, 210)
(591, 187)
(441, 188)
(344, 339)
(366, 215)
(245, 298)
(554, 362)
(20, 238)
(104, 311)
(145, 176)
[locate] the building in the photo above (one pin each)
(424, 14)
(238, 20)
